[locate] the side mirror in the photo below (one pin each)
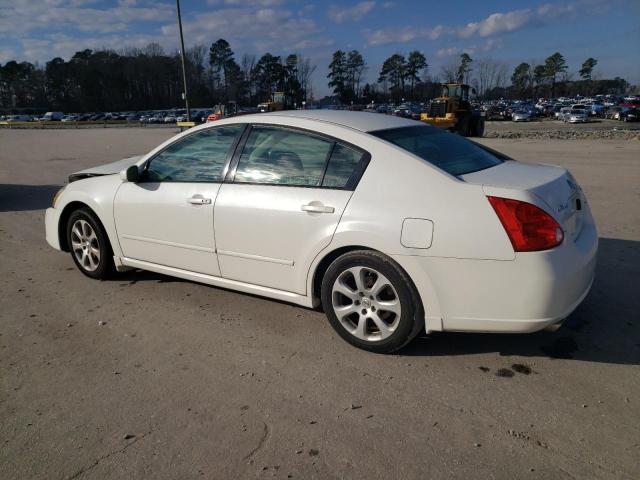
(131, 174)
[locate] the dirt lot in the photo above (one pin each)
(188, 381)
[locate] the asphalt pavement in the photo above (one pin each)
(147, 376)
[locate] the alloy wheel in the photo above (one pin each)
(366, 303)
(85, 245)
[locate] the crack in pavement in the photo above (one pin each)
(96, 462)
(261, 443)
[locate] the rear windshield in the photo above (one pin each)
(447, 151)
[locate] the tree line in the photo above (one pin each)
(148, 78)
(408, 78)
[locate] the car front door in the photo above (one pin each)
(284, 196)
(166, 218)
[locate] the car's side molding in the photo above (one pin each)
(303, 300)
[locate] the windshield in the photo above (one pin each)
(447, 151)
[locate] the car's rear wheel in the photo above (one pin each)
(371, 302)
(89, 244)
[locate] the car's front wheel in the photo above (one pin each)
(89, 244)
(371, 302)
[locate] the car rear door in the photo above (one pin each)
(281, 204)
(167, 217)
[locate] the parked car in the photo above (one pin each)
(613, 113)
(629, 115)
(53, 116)
(576, 116)
(495, 113)
(521, 116)
(562, 113)
(18, 118)
(394, 226)
(596, 109)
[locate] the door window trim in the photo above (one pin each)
(227, 161)
(351, 184)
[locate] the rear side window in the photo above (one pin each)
(447, 151)
(342, 166)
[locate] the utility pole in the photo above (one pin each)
(184, 70)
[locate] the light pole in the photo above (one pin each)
(184, 70)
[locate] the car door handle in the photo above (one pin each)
(199, 200)
(317, 208)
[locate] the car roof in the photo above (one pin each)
(362, 121)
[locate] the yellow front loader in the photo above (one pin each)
(453, 111)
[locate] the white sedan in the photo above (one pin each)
(392, 226)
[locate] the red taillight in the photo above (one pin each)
(529, 228)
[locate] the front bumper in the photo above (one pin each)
(51, 221)
(530, 293)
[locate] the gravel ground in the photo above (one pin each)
(554, 129)
(147, 376)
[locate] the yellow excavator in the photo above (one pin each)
(452, 110)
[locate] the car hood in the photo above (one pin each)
(106, 169)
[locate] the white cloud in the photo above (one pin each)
(247, 3)
(307, 43)
(454, 51)
(21, 17)
(402, 35)
(252, 29)
(7, 54)
(494, 24)
(43, 30)
(497, 23)
(62, 45)
(357, 12)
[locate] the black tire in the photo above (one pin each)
(407, 325)
(104, 266)
(463, 126)
(478, 127)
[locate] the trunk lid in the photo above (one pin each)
(555, 186)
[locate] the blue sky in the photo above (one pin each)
(506, 31)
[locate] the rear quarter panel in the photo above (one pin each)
(396, 186)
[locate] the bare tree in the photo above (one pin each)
(248, 65)
(449, 72)
(489, 75)
(305, 71)
(196, 55)
(153, 50)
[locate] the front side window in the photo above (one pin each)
(447, 151)
(282, 157)
(200, 157)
